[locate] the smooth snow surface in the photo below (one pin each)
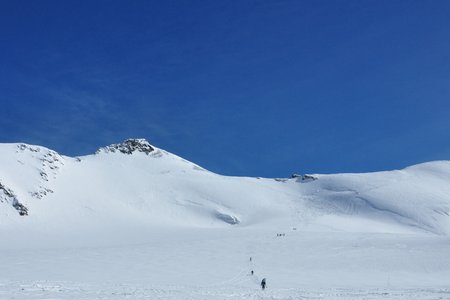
(151, 225)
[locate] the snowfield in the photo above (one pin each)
(136, 222)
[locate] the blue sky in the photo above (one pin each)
(257, 88)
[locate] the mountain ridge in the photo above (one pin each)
(136, 181)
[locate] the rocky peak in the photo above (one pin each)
(128, 147)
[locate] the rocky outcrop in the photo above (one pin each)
(129, 146)
(7, 195)
(50, 163)
(303, 178)
(298, 178)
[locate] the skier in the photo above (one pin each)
(251, 272)
(263, 283)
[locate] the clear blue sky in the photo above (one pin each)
(258, 88)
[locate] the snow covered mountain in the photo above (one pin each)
(136, 184)
(135, 222)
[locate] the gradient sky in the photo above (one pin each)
(257, 88)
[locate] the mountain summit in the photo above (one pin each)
(128, 147)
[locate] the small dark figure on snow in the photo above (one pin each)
(263, 284)
(251, 272)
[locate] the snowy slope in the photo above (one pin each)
(417, 196)
(26, 173)
(134, 221)
(144, 186)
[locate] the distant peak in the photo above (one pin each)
(128, 147)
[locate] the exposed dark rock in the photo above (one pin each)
(23, 147)
(308, 177)
(41, 192)
(23, 211)
(303, 178)
(8, 195)
(128, 147)
(280, 179)
(44, 175)
(51, 163)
